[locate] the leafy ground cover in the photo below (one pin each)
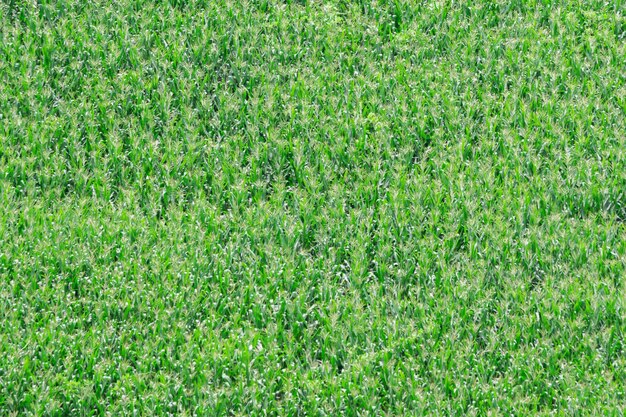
(348, 207)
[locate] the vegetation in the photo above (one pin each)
(345, 207)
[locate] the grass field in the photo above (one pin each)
(312, 208)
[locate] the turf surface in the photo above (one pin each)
(348, 207)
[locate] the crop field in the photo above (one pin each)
(312, 208)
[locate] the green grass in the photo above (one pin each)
(348, 207)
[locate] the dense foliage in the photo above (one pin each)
(348, 207)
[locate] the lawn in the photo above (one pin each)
(312, 208)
